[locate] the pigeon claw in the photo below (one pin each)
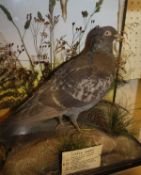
(73, 119)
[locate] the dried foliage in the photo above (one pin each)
(9, 17)
(7, 13)
(18, 82)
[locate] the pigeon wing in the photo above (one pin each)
(83, 80)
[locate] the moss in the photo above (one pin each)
(76, 141)
(111, 118)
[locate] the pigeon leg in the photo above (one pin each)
(73, 119)
(61, 123)
(61, 120)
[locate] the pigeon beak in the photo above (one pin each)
(118, 37)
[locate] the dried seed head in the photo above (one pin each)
(73, 23)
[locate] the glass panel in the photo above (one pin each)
(69, 80)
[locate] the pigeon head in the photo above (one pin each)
(101, 38)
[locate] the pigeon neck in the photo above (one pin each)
(103, 48)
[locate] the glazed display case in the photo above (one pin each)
(70, 87)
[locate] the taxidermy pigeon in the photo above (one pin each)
(76, 85)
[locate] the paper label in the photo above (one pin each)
(80, 160)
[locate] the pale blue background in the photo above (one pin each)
(19, 8)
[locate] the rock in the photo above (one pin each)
(112, 158)
(32, 159)
(128, 147)
(44, 156)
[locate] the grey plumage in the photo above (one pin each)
(76, 85)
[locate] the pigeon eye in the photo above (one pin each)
(108, 33)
